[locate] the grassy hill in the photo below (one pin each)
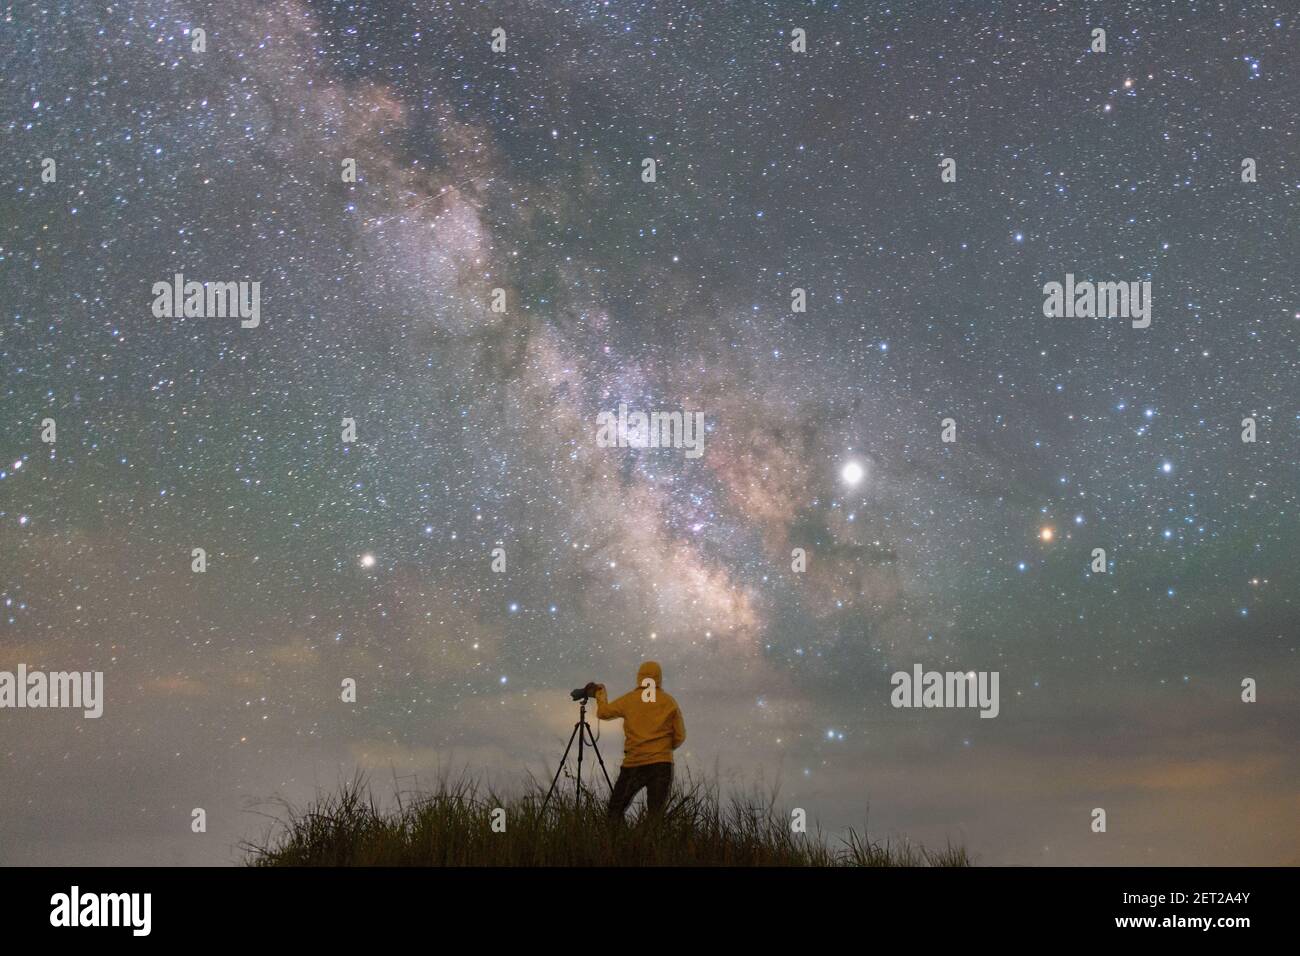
(452, 826)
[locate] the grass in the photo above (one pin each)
(452, 826)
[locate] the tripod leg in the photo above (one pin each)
(592, 737)
(582, 738)
(556, 778)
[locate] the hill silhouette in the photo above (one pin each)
(453, 825)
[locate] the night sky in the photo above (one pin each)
(476, 429)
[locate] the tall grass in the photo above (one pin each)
(452, 826)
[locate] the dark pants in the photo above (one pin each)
(657, 778)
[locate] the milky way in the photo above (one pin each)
(518, 175)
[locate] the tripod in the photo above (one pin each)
(582, 731)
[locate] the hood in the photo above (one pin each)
(652, 670)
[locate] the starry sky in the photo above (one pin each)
(476, 429)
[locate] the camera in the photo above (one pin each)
(582, 693)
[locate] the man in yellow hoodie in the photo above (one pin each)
(652, 729)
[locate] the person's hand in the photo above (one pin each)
(592, 687)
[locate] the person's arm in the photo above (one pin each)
(605, 710)
(679, 729)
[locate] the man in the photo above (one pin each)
(652, 729)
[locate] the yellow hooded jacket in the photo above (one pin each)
(652, 730)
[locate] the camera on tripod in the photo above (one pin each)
(582, 733)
